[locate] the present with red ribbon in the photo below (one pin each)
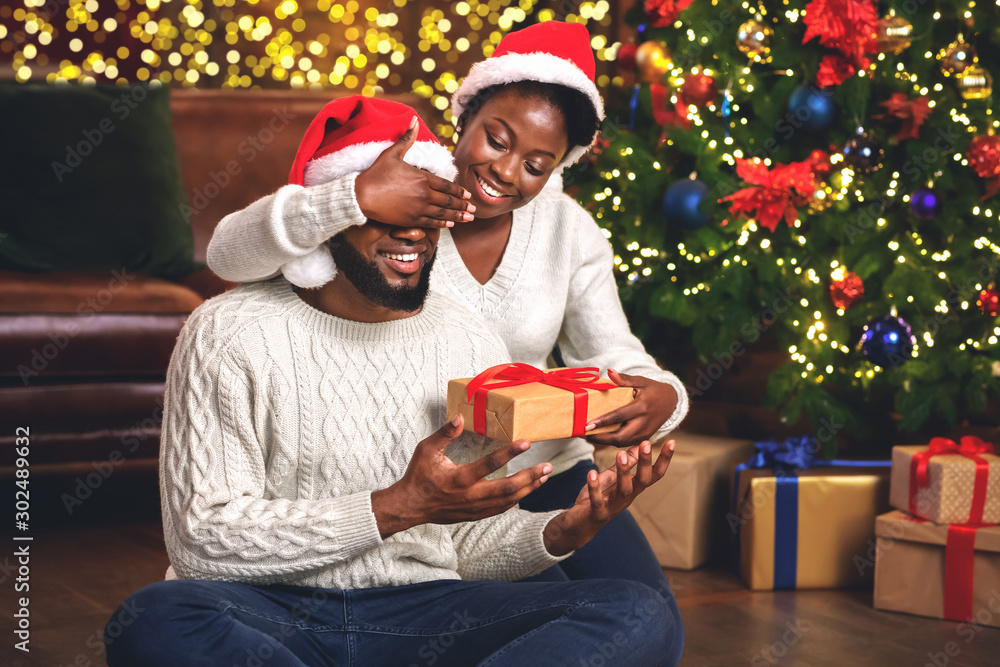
(516, 401)
(947, 482)
(950, 572)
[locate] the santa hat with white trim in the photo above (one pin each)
(346, 137)
(548, 52)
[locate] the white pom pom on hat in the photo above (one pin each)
(548, 52)
(346, 137)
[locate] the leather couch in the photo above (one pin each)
(83, 354)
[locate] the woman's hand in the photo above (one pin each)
(594, 509)
(652, 404)
(397, 193)
(608, 478)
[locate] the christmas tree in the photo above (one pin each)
(823, 175)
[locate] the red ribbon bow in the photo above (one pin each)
(576, 380)
(970, 448)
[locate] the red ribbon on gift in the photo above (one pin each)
(970, 448)
(959, 553)
(576, 380)
(959, 571)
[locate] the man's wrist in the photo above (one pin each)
(386, 506)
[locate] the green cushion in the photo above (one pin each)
(89, 179)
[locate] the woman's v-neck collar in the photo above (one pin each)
(497, 290)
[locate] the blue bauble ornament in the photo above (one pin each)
(687, 204)
(925, 203)
(888, 341)
(811, 108)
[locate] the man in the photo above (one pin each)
(309, 516)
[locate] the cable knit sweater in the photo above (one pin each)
(280, 421)
(554, 284)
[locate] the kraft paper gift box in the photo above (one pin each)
(803, 528)
(947, 483)
(514, 401)
(950, 572)
(683, 516)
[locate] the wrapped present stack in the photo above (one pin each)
(684, 516)
(801, 522)
(938, 553)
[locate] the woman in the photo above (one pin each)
(532, 264)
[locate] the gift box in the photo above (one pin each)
(946, 482)
(950, 572)
(802, 526)
(683, 516)
(517, 401)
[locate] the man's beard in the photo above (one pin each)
(369, 280)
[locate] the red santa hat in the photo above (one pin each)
(549, 52)
(346, 137)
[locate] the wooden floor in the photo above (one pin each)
(84, 564)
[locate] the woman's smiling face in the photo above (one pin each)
(508, 150)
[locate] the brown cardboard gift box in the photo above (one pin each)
(835, 509)
(910, 574)
(947, 499)
(684, 515)
(534, 411)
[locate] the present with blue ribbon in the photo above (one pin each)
(800, 521)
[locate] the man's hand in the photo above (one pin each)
(435, 490)
(579, 524)
(397, 193)
(652, 405)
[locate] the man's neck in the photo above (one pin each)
(341, 298)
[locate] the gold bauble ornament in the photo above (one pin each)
(957, 57)
(975, 83)
(754, 39)
(894, 34)
(652, 60)
(821, 200)
(840, 179)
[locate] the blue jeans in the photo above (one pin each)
(619, 551)
(223, 624)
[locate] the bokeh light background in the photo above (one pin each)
(392, 46)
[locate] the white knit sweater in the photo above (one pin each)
(554, 284)
(280, 421)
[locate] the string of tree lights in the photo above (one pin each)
(393, 46)
(814, 176)
(827, 171)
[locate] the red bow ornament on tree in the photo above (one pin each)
(849, 26)
(913, 113)
(664, 116)
(984, 157)
(662, 13)
(776, 193)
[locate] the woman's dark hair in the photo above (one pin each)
(577, 109)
